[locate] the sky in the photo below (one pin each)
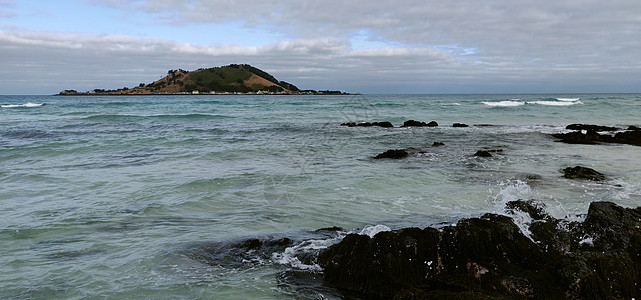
(371, 47)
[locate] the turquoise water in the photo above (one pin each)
(113, 197)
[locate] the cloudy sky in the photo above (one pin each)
(383, 46)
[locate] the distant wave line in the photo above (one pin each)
(28, 104)
(515, 103)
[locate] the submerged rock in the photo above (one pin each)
(490, 258)
(460, 125)
(393, 154)
(438, 144)
(583, 173)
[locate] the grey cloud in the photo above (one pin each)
(440, 46)
(85, 62)
(551, 30)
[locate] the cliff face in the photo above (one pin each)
(227, 79)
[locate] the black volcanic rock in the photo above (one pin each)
(631, 136)
(393, 154)
(483, 153)
(412, 123)
(368, 124)
(590, 127)
(582, 173)
(460, 125)
(490, 258)
(578, 137)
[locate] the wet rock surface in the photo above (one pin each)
(483, 153)
(393, 154)
(368, 124)
(590, 127)
(583, 173)
(412, 123)
(490, 258)
(593, 135)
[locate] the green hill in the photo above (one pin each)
(233, 78)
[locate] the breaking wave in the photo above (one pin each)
(28, 104)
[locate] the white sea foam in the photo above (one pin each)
(290, 255)
(568, 99)
(507, 103)
(588, 240)
(511, 191)
(555, 103)
(28, 104)
(371, 231)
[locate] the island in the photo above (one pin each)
(232, 79)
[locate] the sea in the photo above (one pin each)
(156, 197)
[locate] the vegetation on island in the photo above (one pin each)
(230, 79)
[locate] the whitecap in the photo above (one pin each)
(568, 99)
(509, 103)
(28, 104)
(556, 103)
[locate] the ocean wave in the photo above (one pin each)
(555, 103)
(28, 104)
(517, 102)
(507, 103)
(568, 99)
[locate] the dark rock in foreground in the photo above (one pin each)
(460, 125)
(368, 124)
(412, 123)
(582, 173)
(490, 258)
(393, 154)
(632, 136)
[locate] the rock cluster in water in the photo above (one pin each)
(412, 123)
(368, 124)
(408, 123)
(595, 134)
(490, 258)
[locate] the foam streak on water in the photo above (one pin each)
(102, 196)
